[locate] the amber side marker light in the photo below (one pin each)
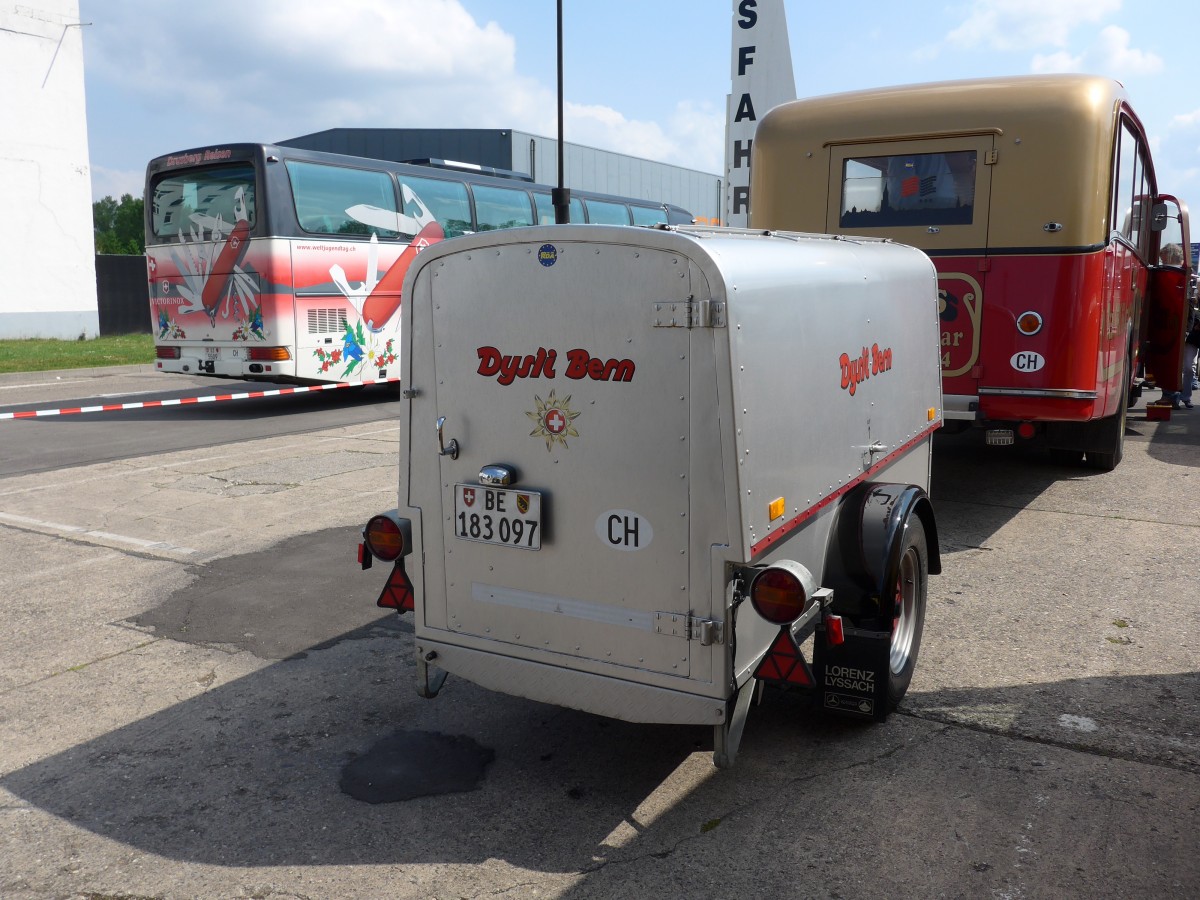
(1029, 323)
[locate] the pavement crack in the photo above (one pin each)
(79, 667)
(1075, 746)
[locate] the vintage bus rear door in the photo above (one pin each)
(1169, 296)
(932, 192)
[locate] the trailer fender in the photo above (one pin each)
(886, 547)
(865, 550)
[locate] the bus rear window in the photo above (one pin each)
(909, 189)
(338, 200)
(203, 198)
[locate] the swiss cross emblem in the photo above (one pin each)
(469, 496)
(555, 420)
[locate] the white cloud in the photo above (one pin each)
(1062, 61)
(1113, 54)
(693, 138)
(1026, 24)
(1186, 120)
(1110, 54)
(116, 182)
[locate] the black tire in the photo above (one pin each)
(908, 613)
(1109, 456)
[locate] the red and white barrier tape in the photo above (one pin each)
(185, 401)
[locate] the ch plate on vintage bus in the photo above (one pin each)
(498, 516)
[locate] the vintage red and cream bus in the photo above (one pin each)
(278, 264)
(1036, 199)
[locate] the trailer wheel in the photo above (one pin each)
(908, 615)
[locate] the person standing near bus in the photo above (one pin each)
(1190, 349)
(1172, 255)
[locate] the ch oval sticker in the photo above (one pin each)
(1027, 361)
(623, 529)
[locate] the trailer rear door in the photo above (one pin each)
(546, 362)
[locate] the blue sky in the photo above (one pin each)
(647, 78)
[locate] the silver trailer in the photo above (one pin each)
(644, 472)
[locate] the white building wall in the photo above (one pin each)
(47, 264)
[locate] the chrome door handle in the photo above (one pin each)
(444, 449)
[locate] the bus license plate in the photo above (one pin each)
(498, 516)
(212, 352)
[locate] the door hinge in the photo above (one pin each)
(991, 157)
(690, 628)
(689, 313)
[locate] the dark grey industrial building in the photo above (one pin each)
(585, 168)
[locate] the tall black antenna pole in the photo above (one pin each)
(561, 195)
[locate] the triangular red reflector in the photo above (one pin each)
(784, 662)
(397, 593)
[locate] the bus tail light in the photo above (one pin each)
(269, 354)
(1029, 323)
(167, 352)
(781, 592)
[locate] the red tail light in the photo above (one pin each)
(166, 352)
(268, 354)
(781, 592)
(384, 538)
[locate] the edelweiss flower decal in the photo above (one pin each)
(555, 420)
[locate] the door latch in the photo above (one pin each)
(444, 449)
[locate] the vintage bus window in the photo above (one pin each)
(201, 198)
(1132, 192)
(601, 212)
(648, 215)
(911, 189)
(447, 200)
(337, 200)
(545, 209)
(1170, 240)
(497, 207)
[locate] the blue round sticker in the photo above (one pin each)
(547, 255)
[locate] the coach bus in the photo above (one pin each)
(277, 264)
(1036, 199)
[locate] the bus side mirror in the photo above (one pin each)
(1158, 217)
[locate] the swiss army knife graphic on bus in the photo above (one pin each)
(213, 272)
(377, 299)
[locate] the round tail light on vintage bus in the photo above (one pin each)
(782, 591)
(1029, 323)
(384, 538)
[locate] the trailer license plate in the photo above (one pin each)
(212, 352)
(498, 516)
